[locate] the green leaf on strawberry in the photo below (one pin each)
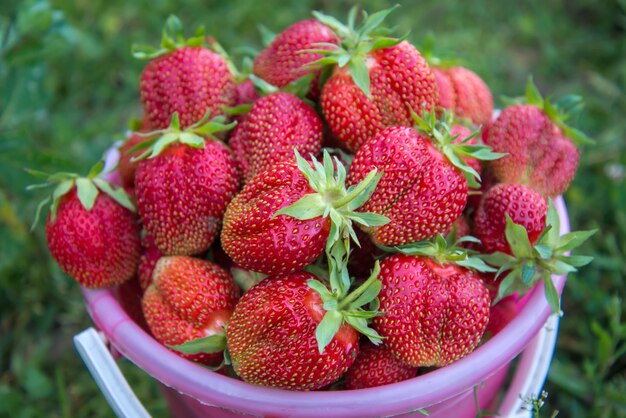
(530, 264)
(87, 190)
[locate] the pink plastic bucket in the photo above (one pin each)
(446, 392)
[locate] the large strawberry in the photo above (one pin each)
(465, 93)
(376, 366)
(184, 185)
(92, 230)
(521, 204)
(285, 332)
(185, 77)
(375, 83)
(287, 57)
(423, 188)
(275, 126)
(541, 154)
(436, 310)
(190, 299)
(287, 215)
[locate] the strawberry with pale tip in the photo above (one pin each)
(190, 299)
(92, 228)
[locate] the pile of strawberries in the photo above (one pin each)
(342, 214)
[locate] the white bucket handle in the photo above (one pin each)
(108, 376)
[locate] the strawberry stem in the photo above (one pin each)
(361, 289)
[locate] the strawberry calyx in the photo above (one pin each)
(194, 135)
(355, 45)
(331, 198)
(172, 38)
(530, 264)
(87, 190)
(559, 111)
(439, 133)
(444, 252)
(348, 307)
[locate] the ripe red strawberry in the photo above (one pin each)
(183, 77)
(92, 230)
(530, 260)
(399, 80)
(285, 59)
(282, 219)
(272, 336)
(465, 93)
(184, 186)
(501, 314)
(420, 191)
(150, 254)
(246, 93)
(257, 240)
(274, 126)
(376, 366)
(189, 298)
(523, 205)
(434, 313)
(541, 154)
(423, 188)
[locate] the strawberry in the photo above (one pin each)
(376, 366)
(184, 186)
(286, 216)
(184, 77)
(189, 299)
(281, 333)
(286, 58)
(521, 204)
(245, 93)
(465, 93)
(375, 83)
(127, 165)
(423, 189)
(541, 154)
(530, 261)
(501, 314)
(150, 254)
(274, 126)
(436, 311)
(92, 230)
(129, 295)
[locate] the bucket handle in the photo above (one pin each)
(91, 346)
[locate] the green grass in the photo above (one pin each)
(68, 85)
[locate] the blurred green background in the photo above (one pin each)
(68, 86)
